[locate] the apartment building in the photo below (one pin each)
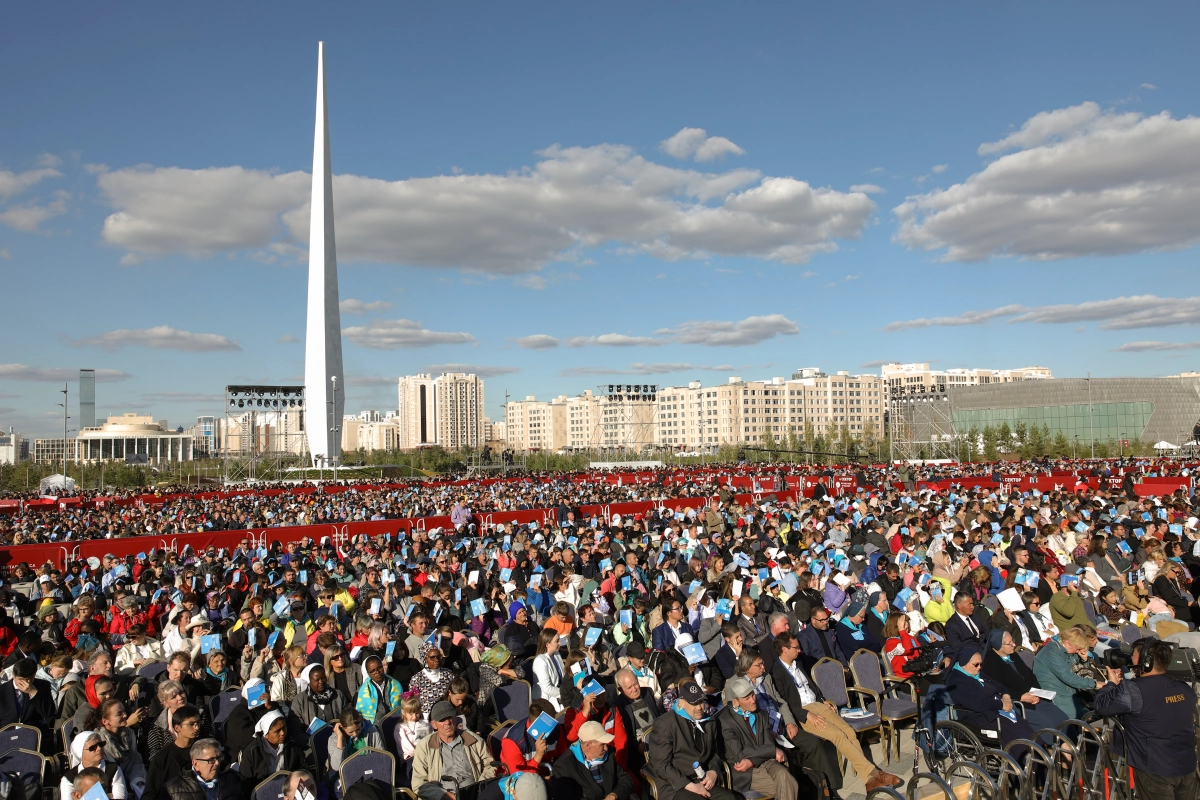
(446, 410)
(370, 433)
(584, 422)
(918, 378)
(529, 424)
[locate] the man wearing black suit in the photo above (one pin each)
(817, 641)
(27, 700)
(727, 656)
(966, 626)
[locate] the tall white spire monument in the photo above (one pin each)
(324, 386)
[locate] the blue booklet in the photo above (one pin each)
(592, 636)
(388, 651)
(725, 607)
(505, 574)
(902, 598)
(694, 653)
(272, 639)
(95, 793)
(592, 687)
(478, 607)
(315, 725)
(626, 584)
(210, 642)
(542, 726)
(282, 606)
(627, 617)
(1067, 580)
(255, 695)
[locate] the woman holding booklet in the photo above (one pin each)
(1018, 680)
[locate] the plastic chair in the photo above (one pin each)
(864, 666)
(830, 678)
(68, 733)
(20, 737)
(368, 764)
(273, 787)
(512, 701)
(223, 705)
(320, 748)
(152, 670)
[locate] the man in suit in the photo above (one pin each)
(684, 757)
(663, 637)
(966, 626)
(776, 624)
(751, 622)
(638, 710)
(726, 657)
(756, 762)
(818, 716)
(817, 641)
(27, 700)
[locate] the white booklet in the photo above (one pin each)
(1044, 694)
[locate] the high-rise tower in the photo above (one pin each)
(323, 381)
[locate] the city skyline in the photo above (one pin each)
(552, 212)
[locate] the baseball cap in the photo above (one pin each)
(635, 650)
(593, 731)
(691, 693)
(738, 687)
(442, 710)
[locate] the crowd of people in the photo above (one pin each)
(673, 647)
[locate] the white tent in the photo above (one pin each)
(1166, 446)
(56, 484)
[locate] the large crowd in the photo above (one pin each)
(699, 650)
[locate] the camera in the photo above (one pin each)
(1119, 657)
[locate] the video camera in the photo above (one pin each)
(1184, 665)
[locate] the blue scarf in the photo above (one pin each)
(678, 709)
(593, 766)
(849, 623)
(969, 675)
(746, 715)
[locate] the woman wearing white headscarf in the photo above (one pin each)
(87, 750)
(269, 751)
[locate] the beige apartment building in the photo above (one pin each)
(446, 410)
(918, 378)
(584, 422)
(696, 417)
(370, 432)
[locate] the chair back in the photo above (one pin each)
(152, 670)
(1130, 634)
(273, 787)
(831, 680)
(23, 763)
(368, 764)
(387, 731)
(864, 666)
(1027, 656)
(320, 747)
(991, 603)
(512, 701)
(495, 739)
(68, 733)
(1090, 609)
(223, 705)
(20, 737)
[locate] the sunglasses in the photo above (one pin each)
(94, 747)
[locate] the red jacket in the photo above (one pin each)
(514, 759)
(611, 721)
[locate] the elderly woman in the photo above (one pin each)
(379, 694)
(1169, 586)
(495, 668)
(178, 636)
(137, 651)
(1054, 668)
(983, 703)
(433, 682)
(1017, 679)
(116, 728)
(269, 751)
(87, 752)
(217, 676)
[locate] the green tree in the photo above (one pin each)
(1061, 447)
(991, 446)
(1004, 437)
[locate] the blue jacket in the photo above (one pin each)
(663, 638)
(851, 645)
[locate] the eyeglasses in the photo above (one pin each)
(212, 760)
(94, 747)
(820, 619)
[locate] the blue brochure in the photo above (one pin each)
(591, 688)
(315, 725)
(210, 642)
(478, 607)
(627, 617)
(902, 598)
(694, 653)
(725, 607)
(272, 639)
(591, 637)
(542, 726)
(255, 695)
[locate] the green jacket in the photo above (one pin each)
(1052, 666)
(1066, 608)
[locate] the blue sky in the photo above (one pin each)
(558, 196)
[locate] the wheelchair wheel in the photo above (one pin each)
(952, 742)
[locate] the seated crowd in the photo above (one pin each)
(583, 657)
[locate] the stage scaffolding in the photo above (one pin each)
(921, 427)
(625, 430)
(492, 462)
(262, 432)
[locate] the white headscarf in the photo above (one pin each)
(268, 719)
(302, 681)
(79, 742)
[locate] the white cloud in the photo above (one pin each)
(751, 330)
(508, 224)
(287, 338)
(1153, 347)
(938, 169)
(1119, 313)
(614, 340)
(867, 188)
(481, 370)
(27, 217)
(1148, 86)
(392, 334)
(183, 397)
(48, 160)
(696, 143)
(638, 368)
(160, 337)
(1082, 182)
(352, 306)
(21, 372)
(877, 363)
(538, 341)
(371, 380)
(966, 318)
(13, 183)
(7, 256)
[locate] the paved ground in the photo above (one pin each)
(853, 788)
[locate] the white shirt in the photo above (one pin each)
(807, 695)
(971, 626)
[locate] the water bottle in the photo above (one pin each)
(699, 772)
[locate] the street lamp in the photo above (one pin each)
(65, 418)
(334, 427)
